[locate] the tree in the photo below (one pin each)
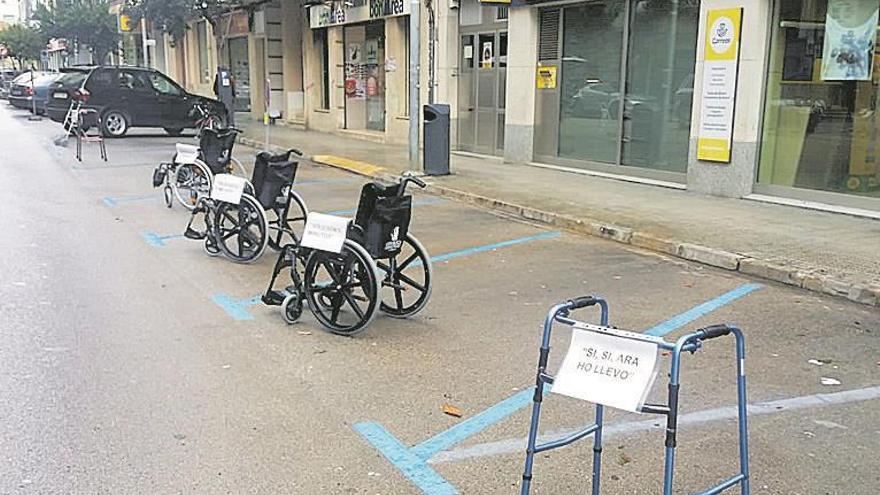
(172, 15)
(82, 22)
(23, 42)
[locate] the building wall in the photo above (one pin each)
(737, 178)
(9, 12)
(522, 56)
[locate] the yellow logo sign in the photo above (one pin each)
(124, 23)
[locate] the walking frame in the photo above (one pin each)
(690, 342)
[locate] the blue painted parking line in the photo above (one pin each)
(115, 200)
(701, 310)
(236, 308)
(413, 462)
(157, 240)
(423, 202)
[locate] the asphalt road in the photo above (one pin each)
(120, 373)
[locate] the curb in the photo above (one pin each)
(813, 281)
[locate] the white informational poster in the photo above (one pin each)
(325, 232)
(228, 188)
(850, 35)
(718, 99)
(604, 368)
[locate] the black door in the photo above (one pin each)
(173, 103)
(138, 98)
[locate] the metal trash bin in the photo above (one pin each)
(436, 139)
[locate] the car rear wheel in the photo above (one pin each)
(174, 131)
(115, 123)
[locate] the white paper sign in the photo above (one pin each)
(228, 188)
(186, 153)
(325, 232)
(604, 368)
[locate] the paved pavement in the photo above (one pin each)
(120, 374)
(824, 252)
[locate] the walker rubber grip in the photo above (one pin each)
(581, 302)
(714, 331)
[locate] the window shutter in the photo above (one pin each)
(548, 36)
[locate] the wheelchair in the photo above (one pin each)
(241, 232)
(381, 267)
(189, 175)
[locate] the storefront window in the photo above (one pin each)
(592, 43)
(649, 127)
(659, 84)
(365, 76)
(820, 121)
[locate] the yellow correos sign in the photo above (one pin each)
(124, 23)
(718, 99)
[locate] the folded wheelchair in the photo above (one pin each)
(381, 267)
(241, 231)
(188, 176)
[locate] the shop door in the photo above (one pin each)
(241, 73)
(365, 77)
(483, 76)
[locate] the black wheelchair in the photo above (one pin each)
(188, 176)
(381, 267)
(242, 231)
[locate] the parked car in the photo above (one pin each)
(6, 77)
(129, 97)
(21, 94)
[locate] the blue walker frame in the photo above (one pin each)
(687, 343)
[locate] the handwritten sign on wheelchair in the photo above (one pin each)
(608, 366)
(325, 232)
(228, 188)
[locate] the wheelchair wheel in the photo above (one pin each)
(191, 182)
(342, 289)
(292, 308)
(294, 224)
(406, 285)
(241, 230)
(210, 247)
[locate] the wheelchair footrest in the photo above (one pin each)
(274, 297)
(192, 233)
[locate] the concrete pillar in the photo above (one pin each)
(292, 24)
(522, 57)
(737, 178)
(257, 74)
(447, 62)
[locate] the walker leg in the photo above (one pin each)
(743, 411)
(597, 450)
(533, 437)
(671, 424)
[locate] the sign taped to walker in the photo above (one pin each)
(228, 188)
(721, 49)
(603, 367)
(325, 232)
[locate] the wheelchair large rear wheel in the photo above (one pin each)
(342, 289)
(406, 280)
(191, 182)
(241, 230)
(293, 225)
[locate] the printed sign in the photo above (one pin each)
(723, 29)
(487, 57)
(546, 77)
(325, 232)
(604, 367)
(338, 12)
(228, 188)
(850, 34)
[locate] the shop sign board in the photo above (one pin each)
(349, 12)
(546, 77)
(718, 98)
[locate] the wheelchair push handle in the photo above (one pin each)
(406, 179)
(295, 152)
(714, 331)
(582, 302)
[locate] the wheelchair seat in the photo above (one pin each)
(216, 148)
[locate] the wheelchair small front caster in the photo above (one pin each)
(211, 247)
(292, 308)
(168, 196)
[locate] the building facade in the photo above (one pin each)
(609, 87)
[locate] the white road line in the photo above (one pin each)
(514, 445)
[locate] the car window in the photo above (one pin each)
(131, 80)
(163, 85)
(72, 79)
(101, 79)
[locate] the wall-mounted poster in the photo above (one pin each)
(354, 53)
(850, 35)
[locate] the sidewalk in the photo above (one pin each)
(823, 252)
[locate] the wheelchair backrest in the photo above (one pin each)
(383, 216)
(271, 174)
(216, 147)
